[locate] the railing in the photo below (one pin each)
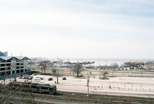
(5, 62)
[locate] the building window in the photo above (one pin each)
(17, 63)
(2, 73)
(2, 64)
(8, 72)
(17, 71)
(2, 69)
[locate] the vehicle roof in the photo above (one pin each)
(33, 84)
(41, 85)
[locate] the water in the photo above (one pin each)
(105, 61)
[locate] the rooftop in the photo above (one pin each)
(8, 58)
(1, 54)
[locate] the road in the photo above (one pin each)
(134, 86)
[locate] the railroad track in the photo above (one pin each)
(68, 97)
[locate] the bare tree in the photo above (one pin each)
(114, 66)
(132, 65)
(77, 69)
(9, 94)
(44, 64)
(104, 75)
(54, 70)
(149, 65)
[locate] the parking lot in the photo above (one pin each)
(122, 85)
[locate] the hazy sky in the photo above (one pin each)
(78, 28)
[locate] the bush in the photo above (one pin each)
(104, 78)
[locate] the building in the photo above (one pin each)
(3, 53)
(13, 65)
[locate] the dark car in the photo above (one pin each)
(26, 77)
(50, 79)
(64, 78)
(29, 73)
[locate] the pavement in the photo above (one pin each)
(121, 86)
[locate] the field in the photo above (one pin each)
(120, 88)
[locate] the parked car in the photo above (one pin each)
(64, 78)
(23, 77)
(26, 77)
(30, 77)
(50, 79)
(29, 73)
(34, 74)
(19, 75)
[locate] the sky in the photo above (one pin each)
(77, 28)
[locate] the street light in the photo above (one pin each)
(60, 61)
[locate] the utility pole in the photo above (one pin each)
(60, 62)
(5, 73)
(13, 64)
(99, 69)
(57, 78)
(99, 72)
(57, 74)
(87, 85)
(4, 78)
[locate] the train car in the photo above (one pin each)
(15, 85)
(43, 88)
(33, 87)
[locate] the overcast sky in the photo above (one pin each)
(78, 28)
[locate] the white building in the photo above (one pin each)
(13, 65)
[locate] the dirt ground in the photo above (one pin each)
(69, 98)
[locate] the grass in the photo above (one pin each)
(40, 73)
(68, 72)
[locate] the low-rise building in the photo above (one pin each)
(3, 53)
(13, 65)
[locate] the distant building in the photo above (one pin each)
(13, 65)
(3, 53)
(140, 65)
